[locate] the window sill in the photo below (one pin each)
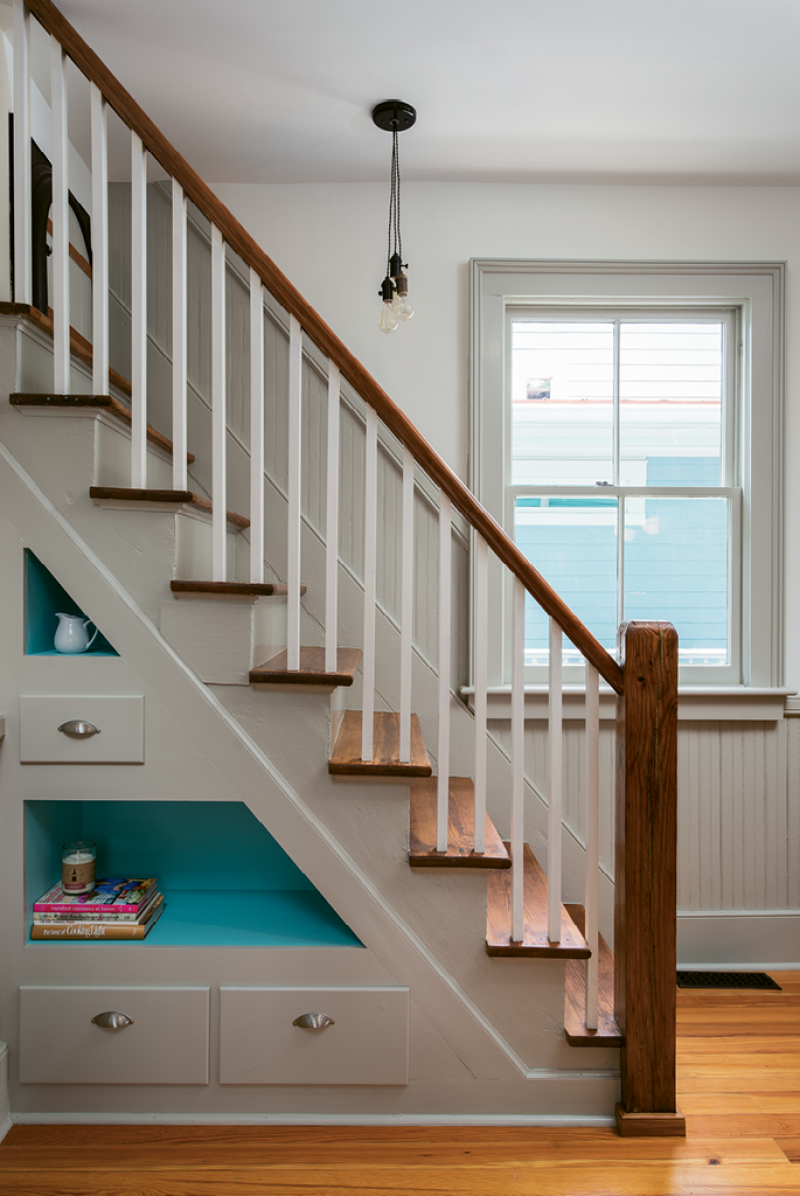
(696, 703)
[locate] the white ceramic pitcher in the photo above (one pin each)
(71, 634)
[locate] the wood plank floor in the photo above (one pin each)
(738, 1084)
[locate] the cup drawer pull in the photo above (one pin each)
(313, 1021)
(111, 1020)
(79, 728)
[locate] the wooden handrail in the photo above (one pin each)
(351, 368)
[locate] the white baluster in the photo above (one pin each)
(22, 154)
(370, 583)
(295, 455)
(138, 312)
(445, 646)
(59, 298)
(332, 521)
(179, 338)
(256, 428)
(99, 242)
(407, 606)
(481, 648)
(555, 797)
(518, 765)
(219, 469)
(592, 894)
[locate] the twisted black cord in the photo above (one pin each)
(398, 227)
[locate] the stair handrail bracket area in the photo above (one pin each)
(644, 679)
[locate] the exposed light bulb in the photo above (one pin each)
(403, 305)
(387, 320)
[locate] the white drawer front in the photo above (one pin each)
(167, 1042)
(367, 1044)
(120, 721)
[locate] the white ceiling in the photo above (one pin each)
(280, 91)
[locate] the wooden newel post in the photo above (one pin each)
(646, 890)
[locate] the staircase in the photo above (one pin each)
(277, 642)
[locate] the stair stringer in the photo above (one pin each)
(497, 1078)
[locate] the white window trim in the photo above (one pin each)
(757, 289)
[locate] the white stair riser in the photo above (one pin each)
(222, 641)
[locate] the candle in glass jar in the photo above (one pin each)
(78, 866)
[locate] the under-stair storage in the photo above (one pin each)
(226, 881)
(99, 1035)
(81, 729)
(314, 1036)
(45, 597)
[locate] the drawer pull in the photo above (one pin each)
(112, 1020)
(78, 728)
(313, 1021)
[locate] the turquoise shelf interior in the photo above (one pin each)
(44, 598)
(225, 880)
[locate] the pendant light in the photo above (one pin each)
(394, 116)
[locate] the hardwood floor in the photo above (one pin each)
(738, 1084)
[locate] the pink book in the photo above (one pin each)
(113, 895)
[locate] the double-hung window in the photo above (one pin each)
(626, 432)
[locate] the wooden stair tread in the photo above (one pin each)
(535, 941)
(245, 590)
(106, 403)
(460, 829)
(312, 669)
(608, 1033)
(346, 758)
(187, 498)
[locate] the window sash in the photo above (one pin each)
(689, 673)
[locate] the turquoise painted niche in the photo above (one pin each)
(226, 881)
(44, 597)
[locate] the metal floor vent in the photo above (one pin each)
(726, 980)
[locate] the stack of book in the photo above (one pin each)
(118, 908)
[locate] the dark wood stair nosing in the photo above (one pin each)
(106, 403)
(133, 494)
(229, 589)
(312, 671)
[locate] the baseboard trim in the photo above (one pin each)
(730, 940)
(5, 1115)
(312, 1119)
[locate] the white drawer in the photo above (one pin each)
(120, 720)
(367, 1044)
(167, 1042)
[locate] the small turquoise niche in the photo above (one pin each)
(226, 881)
(44, 598)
